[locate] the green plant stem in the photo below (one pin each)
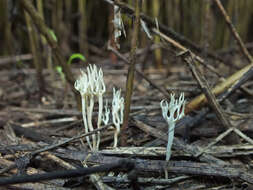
(130, 74)
(46, 49)
(83, 44)
(6, 46)
(158, 52)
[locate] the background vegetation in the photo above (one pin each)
(81, 25)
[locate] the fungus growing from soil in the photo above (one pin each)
(176, 112)
(81, 85)
(117, 113)
(91, 86)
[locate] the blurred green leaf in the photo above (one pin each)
(53, 34)
(59, 70)
(76, 56)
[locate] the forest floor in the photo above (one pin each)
(42, 132)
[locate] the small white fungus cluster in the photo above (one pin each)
(91, 86)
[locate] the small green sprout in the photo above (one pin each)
(71, 58)
(60, 72)
(76, 56)
(53, 35)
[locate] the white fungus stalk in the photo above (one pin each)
(100, 90)
(81, 85)
(117, 113)
(91, 84)
(89, 118)
(90, 100)
(84, 101)
(176, 112)
(105, 115)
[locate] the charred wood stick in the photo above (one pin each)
(53, 146)
(31, 134)
(144, 181)
(143, 166)
(231, 150)
(179, 144)
(220, 151)
(11, 149)
(115, 166)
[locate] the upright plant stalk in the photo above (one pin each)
(90, 107)
(100, 113)
(6, 46)
(67, 13)
(242, 18)
(40, 10)
(227, 37)
(59, 27)
(57, 15)
(130, 21)
(206, 29)
(111, 34)
(143, 38)
(83, 44)
(44, 30)
(47, 51)
(34, 48)
(158, 52)
(130, 74)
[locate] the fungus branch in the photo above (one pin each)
(117, 113)
(100, 90)
(81, 85)
(176, 112)
(90, 105)
(105, 115)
